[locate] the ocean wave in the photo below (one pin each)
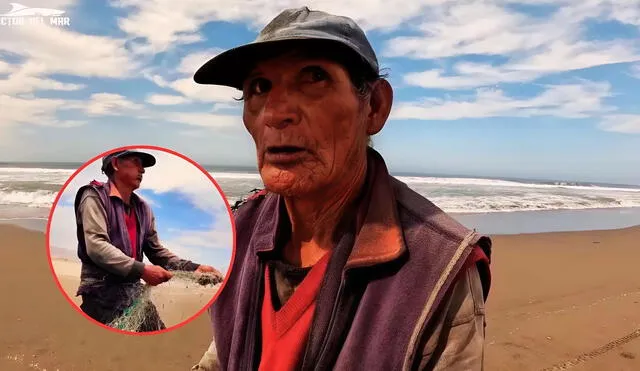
(529, 203)
(33, 170)
(49, 176)
(29, 199)
(35, 187)
(227, 175)
(508, 183)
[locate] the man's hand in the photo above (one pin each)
(154, 275)
(208, 269)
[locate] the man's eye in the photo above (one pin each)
(259, 86)
(314, 74)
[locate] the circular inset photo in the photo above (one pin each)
(140, 239)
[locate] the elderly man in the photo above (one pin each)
(115, 227)
(338, 265)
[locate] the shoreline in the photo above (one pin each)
(494, 222)
(546, 221)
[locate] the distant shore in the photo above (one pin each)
(556, 298)
(498, 223)
(543, 221)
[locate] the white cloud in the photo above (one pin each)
(164, 23)
(189, 89)
(569, 101)
(190, 64)
(109, 104)
(6, 67)
(625, 11)
(534, 46)
(635, 70)
(59, 50)
(205, 93)
(559, 57)
(217, 237)
(621, 124)
(562, 56)
(155, 78)
(41, 111)
(456, 29)
(166, 100)
(23, 81)
(173, 173)
(204, 119)
(467, 75)
(43, 50)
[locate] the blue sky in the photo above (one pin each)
(191, 215)
(530, 88)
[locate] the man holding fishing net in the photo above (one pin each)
(115, 228)
(338, 264)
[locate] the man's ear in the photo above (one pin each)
(114, 162)
(380, 102)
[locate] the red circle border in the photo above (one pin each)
(148, 147)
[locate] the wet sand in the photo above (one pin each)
(556, 298)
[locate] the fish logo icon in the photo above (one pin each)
(19, 10)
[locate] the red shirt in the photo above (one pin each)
(132, 227)
(285, 332)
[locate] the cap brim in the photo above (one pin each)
(232, 66)
(147, 159)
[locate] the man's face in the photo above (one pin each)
(129, 171)
(307, 122)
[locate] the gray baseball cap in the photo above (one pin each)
(147, 159)
(292, 27)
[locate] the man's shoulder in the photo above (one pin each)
(87, 191)
(416, 211)
(247, 206)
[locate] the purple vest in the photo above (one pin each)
(94, 278)
(366, 318)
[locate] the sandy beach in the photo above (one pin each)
(565, 297)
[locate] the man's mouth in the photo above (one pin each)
(285, 155)
(284, 149)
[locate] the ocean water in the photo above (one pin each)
(27, 191)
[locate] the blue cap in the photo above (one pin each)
(299, 26)
(147, 159)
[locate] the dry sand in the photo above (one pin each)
(559, 296)
(555, 297)
(176, 300)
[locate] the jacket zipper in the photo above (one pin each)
(336, 305)
(248, 361)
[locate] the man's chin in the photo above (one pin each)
(288, 183)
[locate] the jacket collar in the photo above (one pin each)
(114, 192)
(379, 237)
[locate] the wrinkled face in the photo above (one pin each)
(307, 122)
(129, 171)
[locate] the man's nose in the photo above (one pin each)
(280, 109)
